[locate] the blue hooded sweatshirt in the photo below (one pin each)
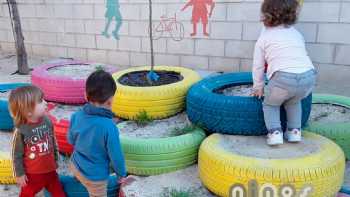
(95, 138)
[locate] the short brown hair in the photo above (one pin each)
(100, 86)
(279, 12)
(22, 101)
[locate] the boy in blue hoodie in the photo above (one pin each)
(95, 136)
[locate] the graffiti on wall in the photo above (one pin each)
(200, 13)
(169, 25)
(113, 12)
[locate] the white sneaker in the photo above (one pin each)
(275, 138)
(293, 135)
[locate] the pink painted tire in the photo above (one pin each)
(62, 89)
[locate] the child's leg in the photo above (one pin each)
(34, 185)
(294, 112)
(293, 105)
(94, 188)
(275, 96)
(54, 186)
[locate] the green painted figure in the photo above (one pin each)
(113, 11)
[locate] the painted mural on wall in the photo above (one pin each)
(169, 25)
(113, 12)
(200, 13)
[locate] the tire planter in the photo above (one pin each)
(158, 101)
(345, 190)
(6, 122)
(73, 188)
(62, 89)
(161, 155)
(6, 172)
(61, 127)
(338, 132)
(237, 115)
(322, 168)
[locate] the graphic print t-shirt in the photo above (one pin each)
(34, 148)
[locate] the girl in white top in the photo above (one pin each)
(290, 71)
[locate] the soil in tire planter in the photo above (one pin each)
(329, 113)
(64, 112)
(75, 71)
(158, 128)
(256, 146)
(139, 78)
(234, 90)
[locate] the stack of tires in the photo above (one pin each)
(150, 156)
(68, 91)
(154, 156)
(63, 89)
(235, 160)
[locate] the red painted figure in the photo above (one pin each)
(200, 13)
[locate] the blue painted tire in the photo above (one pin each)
(6, 122)
(345, 190)
(236, 115)
(73, 188)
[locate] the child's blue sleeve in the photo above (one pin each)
(115, 152)
(70, 135)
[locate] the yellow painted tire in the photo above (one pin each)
(323, 170)
(6, 172)
(158, 101)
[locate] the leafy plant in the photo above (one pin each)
(181, 131)
(178, 193)
(99, 67)
(142, 118)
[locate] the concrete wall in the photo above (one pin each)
(72, 28)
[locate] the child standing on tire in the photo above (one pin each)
(34, 148)
(95, 137)
(290, 71)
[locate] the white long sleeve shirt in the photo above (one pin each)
(283, 49)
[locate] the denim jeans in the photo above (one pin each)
(287, 89)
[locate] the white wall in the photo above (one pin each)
(72, 28)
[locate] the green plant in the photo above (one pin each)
(142, 118)
(99, 67)
(181, 131)
(177, 193)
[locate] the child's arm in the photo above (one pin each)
(212, 6)
(54, 141)
(115, 152)
(17, 158)
(55, 147)
(258, 69)
(187, 5)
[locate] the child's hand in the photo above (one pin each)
(126, 180)
(258, 93)
(22, 181)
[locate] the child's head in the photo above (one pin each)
(279, 12)
(100, 88)
(26, 103)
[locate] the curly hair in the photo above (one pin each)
(279, 12)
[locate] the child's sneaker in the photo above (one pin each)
(275, 138)
(293, 135)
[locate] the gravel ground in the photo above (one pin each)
(327, 113)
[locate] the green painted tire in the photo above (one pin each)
(338, 132)
(161, 155)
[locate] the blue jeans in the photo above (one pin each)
(287, 89)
